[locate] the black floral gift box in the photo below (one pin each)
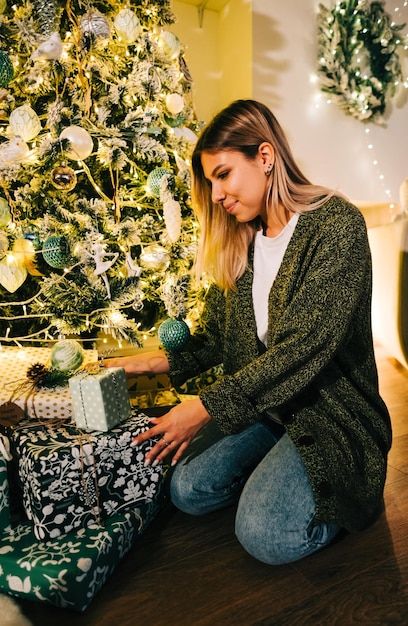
(71, 479)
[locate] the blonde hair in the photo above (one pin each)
(243, 126)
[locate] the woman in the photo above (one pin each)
(295, 433)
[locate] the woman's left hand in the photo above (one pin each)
(176, 428)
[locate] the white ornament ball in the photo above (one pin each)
(25, 122)
(170, 44)
(127, 26)
(67, 355)
(95, 26)
(174, 103)
(80, 140)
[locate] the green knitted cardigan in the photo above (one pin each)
(318, 371)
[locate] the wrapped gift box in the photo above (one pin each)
(38, 403)
(4, 486)
(71, 479)
(69, 571)
(101, 400)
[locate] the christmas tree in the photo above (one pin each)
(97, 234)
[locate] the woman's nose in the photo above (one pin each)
(218, 195)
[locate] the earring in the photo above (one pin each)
(269, 169)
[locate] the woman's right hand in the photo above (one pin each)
(154, 362)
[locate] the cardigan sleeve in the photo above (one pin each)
(323, 286)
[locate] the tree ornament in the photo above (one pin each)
(170, 44)
(154, 180)
(81, 143)
(12, 275)
(173, 334)
(31, 233)
(67, 355)
(63, 177)
(47, 15)
(186, 134)
(3, 5)
(127, 26)
(50, 50)
(172, 219)
(40, 376)
(6, 69)
(103, 262)
(24, 254)
(4, 244)
(25, 122)
(56, 251)
(359, 62)
(95, 29)
(14, 151)
(174, 103)
(155, 258)
(5, 214)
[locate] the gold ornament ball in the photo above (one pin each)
(63, 178)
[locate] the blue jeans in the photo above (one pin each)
(261, 470)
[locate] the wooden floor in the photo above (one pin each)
(192, 572)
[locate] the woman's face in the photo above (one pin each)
(237, 183)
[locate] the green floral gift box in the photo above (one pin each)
(69, 571)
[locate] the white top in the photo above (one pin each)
(268, 255)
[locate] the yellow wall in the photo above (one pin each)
(235, 41)
(218, 53)
(201, 53)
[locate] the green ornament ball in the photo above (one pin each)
(154, 180)
(6, 69)
(67, 355)
(173, 334)
(56, 252)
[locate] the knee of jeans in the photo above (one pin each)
(260, 543)
(182, 493)
(269, 543)
(275, 545)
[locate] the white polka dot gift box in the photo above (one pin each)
(101, 400)
(36, 403)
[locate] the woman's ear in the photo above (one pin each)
(267, 155)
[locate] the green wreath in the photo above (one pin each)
(358, 54)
